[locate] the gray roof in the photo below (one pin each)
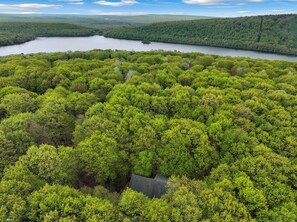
(150, 187)
(160, 178)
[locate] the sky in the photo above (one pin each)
(219, 8)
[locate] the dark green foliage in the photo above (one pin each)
(19, 32)
(75, 126)
(98, 21)
(276, 34)
(16, 29)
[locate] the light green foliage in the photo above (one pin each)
(133, 203)
(100, 157)
(42, 161)
(287, 212)
(144, 163)
(80, 103)
(18, 103)
(17, 183)
(67, 204)
(15, 138)
(99, 210)
(183, 138)
(7, 153)
(222, 206)
(185, 205)
(157, 210)
(53, 120)
(51, 164)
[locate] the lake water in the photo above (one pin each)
(63, 44)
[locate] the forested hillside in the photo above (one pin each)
(98, 21)
(75, 126)
(15, 29)
(275, 33)
(20, 32)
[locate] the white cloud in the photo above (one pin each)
(215, 2)
(244, 12)
(27, 6)
(223, 6)
(73, 2)
(21, 13)
(120, 3)
(29, 13)
(203, 2)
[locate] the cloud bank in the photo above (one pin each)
(216, 2)
(27, 6)
(116, 4)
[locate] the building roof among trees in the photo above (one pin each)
(151, 187)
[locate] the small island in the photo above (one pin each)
(147, 42)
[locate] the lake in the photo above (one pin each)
(63, 44)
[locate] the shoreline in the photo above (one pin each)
(204, 48)
(214, 46)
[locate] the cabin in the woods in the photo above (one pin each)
(151, 187)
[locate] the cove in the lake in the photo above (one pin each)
(63, 44)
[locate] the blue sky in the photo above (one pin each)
(220, 8)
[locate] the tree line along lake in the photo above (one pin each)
(63, 44)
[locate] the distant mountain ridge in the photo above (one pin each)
(270, 33)
(99, 21)
(12, 33)
(16, 29)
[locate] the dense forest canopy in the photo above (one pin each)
(98, 21)
(20, 32)
(75, 126)
(274, 33)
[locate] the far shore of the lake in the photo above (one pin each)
(62, 44)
